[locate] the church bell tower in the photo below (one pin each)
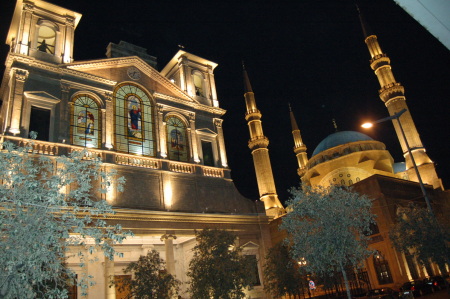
(392, 94)
(258, 144)
(43, 30)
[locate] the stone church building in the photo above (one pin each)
(162, 131)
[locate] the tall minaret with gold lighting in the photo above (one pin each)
(299, 146)
(258, 144)
(392, 94)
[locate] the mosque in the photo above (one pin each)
(162, 131)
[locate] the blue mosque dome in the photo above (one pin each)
(340, 138)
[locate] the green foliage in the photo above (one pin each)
(48, 206)
(218, 270)
(418, 232)
(281, 273)
(151, 280)
(327, 227)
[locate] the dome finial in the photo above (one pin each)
(335, 125)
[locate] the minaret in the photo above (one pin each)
(392, 94)
(258, 144)
(299, 146)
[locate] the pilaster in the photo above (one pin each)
(162, 132)
(193, 138)
(109, 120)
(64, 114)
(222, 151)
(19, 77)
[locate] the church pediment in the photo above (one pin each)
(206, 131)
(132, 69)
(42, 96)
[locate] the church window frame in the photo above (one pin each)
(198, 82)
(134, 120)
(86, 121)
(177, 138)
(46, 37)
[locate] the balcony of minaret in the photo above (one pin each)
(391, 90)
(258, 142)
(379, 60)
(252, 114)
(300, 149)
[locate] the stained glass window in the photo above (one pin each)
(86, 122)
(133, 117)
(177, 139)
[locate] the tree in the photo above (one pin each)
(48, 206)
(281, 273)
(328, 228)
(150, 280)
(418, 232)
(218, 269)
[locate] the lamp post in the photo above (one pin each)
(396, 116)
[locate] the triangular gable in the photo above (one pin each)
(41, 95)
(206, 131)
(163, 85)
(250, 245)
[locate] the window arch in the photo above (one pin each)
(382, 269)
(46, 40)
(177, 139)
(86, 122)
(134, 121)
(198, 84)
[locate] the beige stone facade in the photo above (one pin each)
(162, 131)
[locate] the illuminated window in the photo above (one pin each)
(134, 121)
(198, 84)
(46, 39)
(382, 269)
(177, 139)
(86, 122)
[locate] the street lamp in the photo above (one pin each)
(396, 116)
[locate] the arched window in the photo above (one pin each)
(198, 84)
(382, 269)
(177, 139)
(46, 39)
(86, 122)
(133, 117)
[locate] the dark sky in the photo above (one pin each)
(310, 53)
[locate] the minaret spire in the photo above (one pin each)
(258, 145)
(299, 146)
(392, 94)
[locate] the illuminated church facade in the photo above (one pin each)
(161, 130)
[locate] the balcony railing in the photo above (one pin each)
(55, 149)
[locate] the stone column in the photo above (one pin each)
(162, 132)
(170, 256)
(193, 138)
(108, 130)
(220, 139)
(110, 292)
(16, 97)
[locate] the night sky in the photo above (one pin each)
(309, 53)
